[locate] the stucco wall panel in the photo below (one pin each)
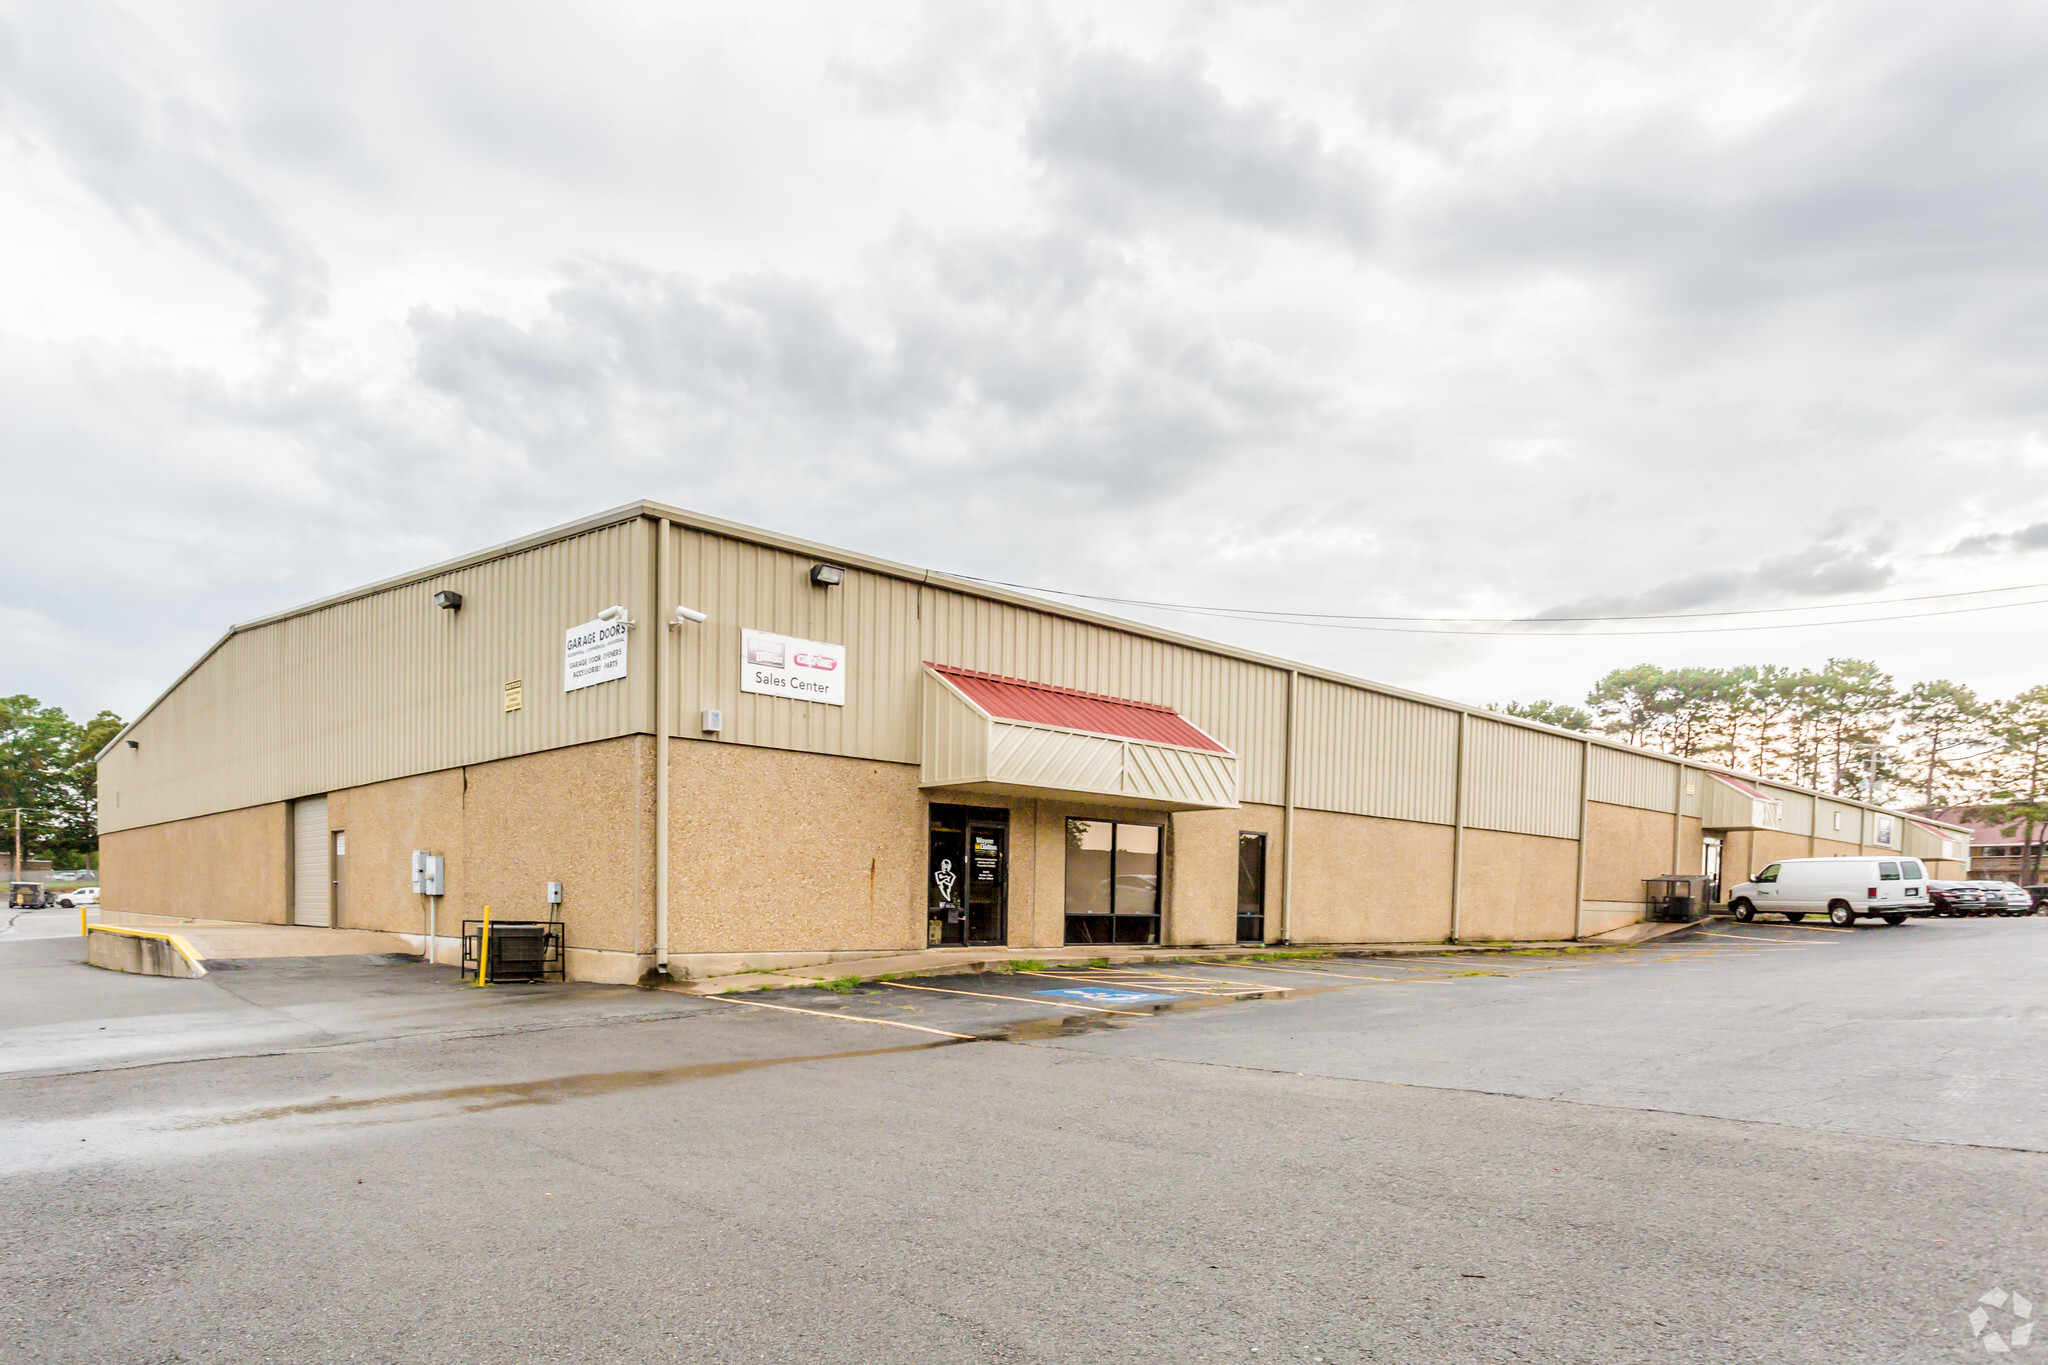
(1625, 845)
(583, 817)
(1204, 872)
(1518, 886)
(226, 866)
(1746, 852)
(385, 822)
(1362, 880)
(774, 851)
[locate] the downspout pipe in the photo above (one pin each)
(1585, 818)
(1287, 816)
(661, 736)
(1458, 835)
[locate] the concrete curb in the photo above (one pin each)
(1005, 960)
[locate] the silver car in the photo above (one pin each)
(2005, 898)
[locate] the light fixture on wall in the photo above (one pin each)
(448, 601)
(135, 744)
(827, 575)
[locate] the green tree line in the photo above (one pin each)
(48, 773)
(1846, 728)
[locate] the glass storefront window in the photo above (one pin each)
(1112, 882)
(1137, 869)
(1089, 866)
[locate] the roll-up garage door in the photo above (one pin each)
(312, 887)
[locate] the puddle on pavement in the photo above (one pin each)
(476, 1099)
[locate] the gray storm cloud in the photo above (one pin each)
(1483, 309)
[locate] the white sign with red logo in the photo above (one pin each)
(784, 666)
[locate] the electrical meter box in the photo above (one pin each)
(427, 875)
(554, 893)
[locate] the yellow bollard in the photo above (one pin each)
(483, 955)
(81, 920)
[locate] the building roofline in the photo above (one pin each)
(646, 508)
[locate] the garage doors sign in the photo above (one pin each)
(784, 666)
(592, 653)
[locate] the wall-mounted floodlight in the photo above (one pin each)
(827, 575)
(134, 744)
(448, 601)
(686, 614)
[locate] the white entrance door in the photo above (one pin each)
(312, 877)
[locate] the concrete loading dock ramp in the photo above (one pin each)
(152, 946)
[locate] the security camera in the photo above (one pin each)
(685, 614)
(612, 614)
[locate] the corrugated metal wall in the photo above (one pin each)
(1521, 781)
(757, 587)
(956, 738)
(1625, 779)
(1242, 704)
(389, 684)
(1364, 753)
(1826, 813)
(1798, 809)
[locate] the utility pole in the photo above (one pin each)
(14, 868)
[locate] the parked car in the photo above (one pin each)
(1844, 889)
(2040, 895)
(79, 875)
(77, 896)
(2005, 898)
(1956, 900)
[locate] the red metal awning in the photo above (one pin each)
(1041, 704)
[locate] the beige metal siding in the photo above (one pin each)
(312, 876)
(956, 738)
(1921, 842)
(389, 685)
(1824, 815)
(1798, 809)
(1521, 781)
(1055, 760)
(1625, 779)
(755, 587)
(1723, 807)
(1243, 705)
(1363, 753)
(1185, 777)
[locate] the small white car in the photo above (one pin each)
(2006, 898)
(79, 895)
(1843, 889)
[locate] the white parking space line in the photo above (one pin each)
(1013, 999)
(843, 1018)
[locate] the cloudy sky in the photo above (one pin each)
(1448, 310)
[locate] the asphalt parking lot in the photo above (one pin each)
(1759, 1143)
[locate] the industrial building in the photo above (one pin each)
(730, 746)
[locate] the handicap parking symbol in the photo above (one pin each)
(1103, 995)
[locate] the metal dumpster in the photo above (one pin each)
(1679, 898)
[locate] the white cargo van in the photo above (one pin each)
(1840, 888)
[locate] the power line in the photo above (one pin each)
(1323, 622)
(1304, 617)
